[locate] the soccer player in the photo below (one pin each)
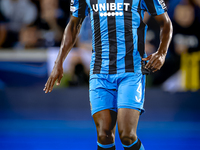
(118, 65)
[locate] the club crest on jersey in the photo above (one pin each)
(110, 8)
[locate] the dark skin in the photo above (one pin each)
(106, 120)
(157, 59)
(69, 38)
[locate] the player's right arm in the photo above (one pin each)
(69, 38)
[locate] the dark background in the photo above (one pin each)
(61, 120)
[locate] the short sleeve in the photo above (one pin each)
(154, 7)
(79, 8)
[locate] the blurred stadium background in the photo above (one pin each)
(30, 35)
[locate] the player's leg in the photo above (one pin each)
(127, 126)
(103, 106)
(130, 104)
(105, 122)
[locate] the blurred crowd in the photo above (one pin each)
(26, 24)
(32, 23)
(185, 17)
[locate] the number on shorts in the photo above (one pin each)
(139, 90)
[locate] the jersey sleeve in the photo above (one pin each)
(154, 7)
(79, 8)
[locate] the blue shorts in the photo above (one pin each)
(114, 91)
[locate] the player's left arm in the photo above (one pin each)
(157, 59)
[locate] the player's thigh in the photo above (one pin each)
(127, 120)
(105, 122)
(103, 102)
(105, 119)
(131, 91)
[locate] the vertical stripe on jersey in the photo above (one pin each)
(140, 33)
(81, 12)
(129, 66)
(93, 43)
(97, 40)
(151, 7)
(112, 40)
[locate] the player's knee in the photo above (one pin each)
(128, 138)
(106, 137)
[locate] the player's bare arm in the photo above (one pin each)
(69, 38)
(157, 59)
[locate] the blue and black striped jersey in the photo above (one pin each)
(118, 32)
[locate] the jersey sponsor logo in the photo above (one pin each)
(110, 7)
(162, 3)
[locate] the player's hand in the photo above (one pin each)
(56, 74)
(156, 61)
